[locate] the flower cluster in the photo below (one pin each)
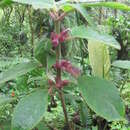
(58, 83)
(65, 66)
(59, 38)
(68, 67)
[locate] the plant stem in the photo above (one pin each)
(31, 29)
(58, 57)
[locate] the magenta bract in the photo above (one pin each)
(59, 38)
(67, 66)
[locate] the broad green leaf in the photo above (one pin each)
(124, 64)
(95, 36)
(5, 99)
(102, 97)
(80, 9)
(112, 5)
(17, 70)
(38, 4)
(41, 51)
(99, 59)
(30, 110)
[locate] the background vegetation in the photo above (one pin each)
(22, 28)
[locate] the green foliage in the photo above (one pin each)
(30, 110)
(38, 4)
(4, 99)
(81, 10)
(17, 70)
(4, 3)
(85, 116)
(113, 5)
(94, 36)
(99, 59)
(42, 50)
(119, 126)
(102, 97)
(124, 64)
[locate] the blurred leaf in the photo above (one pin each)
(5, 99)
(124, 64)
(85, 115)
(94, 36)
(99, 59)
(112, 5)
(42, 126)
(4, 3)
(6, 125)
(102, 97)
(41, 51)
(66, 6)
(81, 10)
(17, 70)
(38, 4)
(30, 110)
(94, 128)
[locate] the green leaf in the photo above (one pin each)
(38, 4)
(85, 115)
(95, 36)
(4, 3)
(80, 9)
(99, 59)
(17, 70)
(5, 99)
(30, 110)
(42, 126)
(112, 5)
(66, 6)
(102, 97)
(124, 64)
(41, 51)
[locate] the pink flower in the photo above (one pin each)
(63, 35)
(67, 66)
(73, 71)
(55, 39)
(59, 38)
(65, 82)
(61, 83)
(58, 83)
(50, 82)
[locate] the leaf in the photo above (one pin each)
(85, 115)
(80, 9)
(124, 64)
(66, 6)
(112, 5)
(17, 70)
(102, 97)
(30, 110)
(99, 59)
(5, 99)
(41, 51)
(6, 125)
(38, 4)
(95, 36)
(42, 126)
(4, 3)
